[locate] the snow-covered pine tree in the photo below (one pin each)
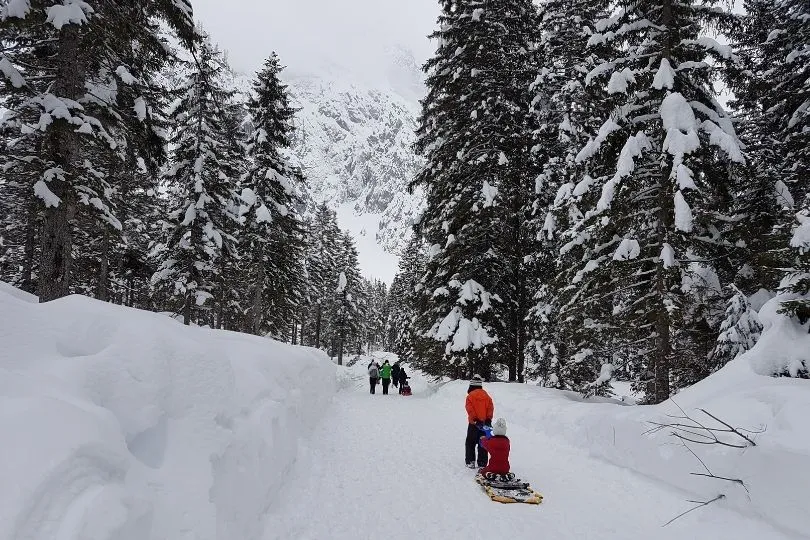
(201, 181)
(404, 299)
(376, 313)
(763, 205)
(346, 328)
(785, 55)
(739, 331)
(475, 135)
(20, 210)
(60, 60)
(272, 239)
(322, 270)
(563, 105)
(665, 145)
(355, 322)
(141, 100)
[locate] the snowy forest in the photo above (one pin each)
(135, 172)
(613, 188)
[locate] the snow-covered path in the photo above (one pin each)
(392, 467)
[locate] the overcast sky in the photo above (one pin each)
(305, 33)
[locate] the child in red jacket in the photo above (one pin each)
(498, 448)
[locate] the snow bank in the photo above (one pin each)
(775, 471)
(121, 424)
(5, 288)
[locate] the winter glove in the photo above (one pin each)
(488, 422)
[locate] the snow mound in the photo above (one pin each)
(12, 291)
(121, 424)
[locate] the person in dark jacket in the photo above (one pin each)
(395, 373)
(480, 410)
(403, 380)
(498, 448)
(373, 375)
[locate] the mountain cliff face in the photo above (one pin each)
(354, 141)
(355, 145)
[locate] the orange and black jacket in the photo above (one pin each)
(479, 406)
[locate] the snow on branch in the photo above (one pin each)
(11, 73)
(15, 8)
(711, 45)
(70, 12)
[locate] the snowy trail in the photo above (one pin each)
(392, 467)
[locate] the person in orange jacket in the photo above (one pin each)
(480, 411)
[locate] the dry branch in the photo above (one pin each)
(700, 504)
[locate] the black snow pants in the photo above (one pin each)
(386, 382)
(471, 443)
(373, 382)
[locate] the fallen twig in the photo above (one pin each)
(700, 504)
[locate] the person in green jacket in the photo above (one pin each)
(385, 375)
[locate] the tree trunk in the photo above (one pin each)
(57, 242)
(663, 348)
(318, 328)
(102, 291)
(123, 216)
(62, 146)
(303, 318)
(521, 336)
(256, 323)
(512, 361)
(342, 330)
(31, 224)
(187, 309)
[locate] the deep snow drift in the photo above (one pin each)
(125, 425)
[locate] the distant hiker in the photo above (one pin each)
(385, 375)
(395, 373)
(479, 413)
(373, 375)
(498, 448)
(404, 389)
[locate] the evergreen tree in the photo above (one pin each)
(785, 54)
(345, 327)
(562, 194)
(661, 155)
(761, 190)
(739, 331)
(63, 63)
(475, 134)
(202, 178)
(404, 338)
(322, 270)
(272, 239)
(376, 312)
(20, 212)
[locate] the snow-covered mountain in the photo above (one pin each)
(355, 138)
(354, 141)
